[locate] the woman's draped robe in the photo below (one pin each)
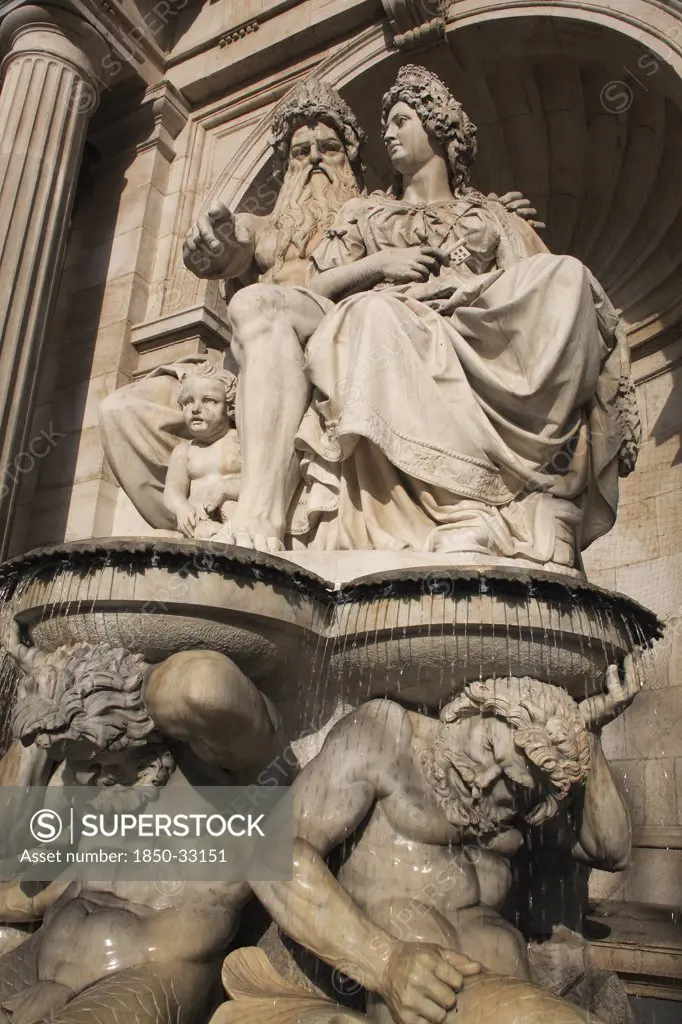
(475, 412)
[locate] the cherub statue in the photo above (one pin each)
(431, 810)
(100, 716)
(202, 482)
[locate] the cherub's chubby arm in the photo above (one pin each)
(201, 698)
(176, 491)
(331, 797)
(221, 243)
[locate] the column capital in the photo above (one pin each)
(45, 28)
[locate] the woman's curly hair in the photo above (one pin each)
(442, 115)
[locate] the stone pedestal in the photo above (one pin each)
(51, 79)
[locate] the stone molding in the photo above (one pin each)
(154, 124)
(655, 24)
(641, 943)
(415, 22)
(187, 333)
(657, 837)
(170, 116)
(239, 33)
(129, 35)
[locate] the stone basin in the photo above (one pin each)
(414, 632)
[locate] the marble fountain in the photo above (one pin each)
(427, 658)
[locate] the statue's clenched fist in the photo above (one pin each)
(421, 982)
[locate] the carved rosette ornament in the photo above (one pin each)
(414, 22)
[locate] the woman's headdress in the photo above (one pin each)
(441, 114)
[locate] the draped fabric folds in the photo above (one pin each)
(473, 412)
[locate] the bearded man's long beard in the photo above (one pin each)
(307, 206)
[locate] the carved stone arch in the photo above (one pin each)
(656, 25)
(619, 217)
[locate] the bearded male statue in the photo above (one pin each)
(424, 813)
(317, 142)
(99, 716)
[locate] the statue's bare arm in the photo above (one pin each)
(23, 765)
(201, 698)
(597, 829)
(221, 243)
(390, 266)
(603, 828)
(604, 836)
(332, 796)
(603, 708)
(176, 492)
(22, 902)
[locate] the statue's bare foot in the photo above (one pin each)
(255, 532)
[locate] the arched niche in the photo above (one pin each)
(579, 105)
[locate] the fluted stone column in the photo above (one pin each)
(50, 87)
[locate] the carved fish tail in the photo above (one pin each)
(19, 968)
(167, 993)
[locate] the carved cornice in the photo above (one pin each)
(154, 124)
(130, 35)
(189, 332)
(414, 22)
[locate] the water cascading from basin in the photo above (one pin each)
(319, 648)
(416, 635)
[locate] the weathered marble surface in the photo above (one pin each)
(117, 950)
(255, 529)
(440, 801)
(375, 489)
